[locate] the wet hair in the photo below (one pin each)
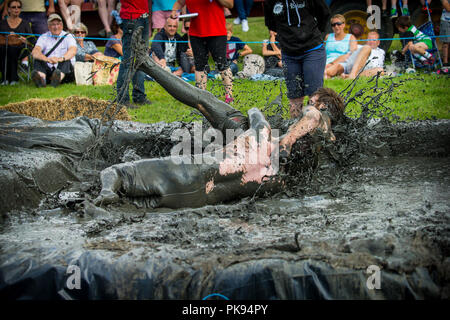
(338, 16)
(333, 101)
(403, 21)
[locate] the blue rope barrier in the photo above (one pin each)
(106, 39)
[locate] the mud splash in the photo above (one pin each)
(379, 197)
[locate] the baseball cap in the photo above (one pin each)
(54, 16)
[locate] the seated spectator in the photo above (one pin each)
(235, 49)
(35, 12)
(187, 61)
(86, 50)
(338, 43)
(166, 47)
(70, 11)
(419, 44)
(161, 10)
(358, 59)
(105, 7)
(12, 44)
(272, 56)
(52, 54)
(113, 47)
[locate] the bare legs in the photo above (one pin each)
(104, 11)
(67, 15)
(201, 79)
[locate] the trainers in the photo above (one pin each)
(143, 102)
(245, 25)
(237, 21)
(228, 98)
(55, 79)
(13, 83)
(405, 12)
(37, 79)
(394, 13)
(4, 83)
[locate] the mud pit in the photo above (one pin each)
(385, 202)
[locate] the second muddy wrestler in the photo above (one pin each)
(173, 182)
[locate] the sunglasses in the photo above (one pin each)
(337, 24)
(80, 32)
(15, 7)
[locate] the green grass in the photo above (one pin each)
(421, 96)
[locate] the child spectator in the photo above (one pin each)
(235, 49)
(113, 47)
(272, 56)
(419, 44)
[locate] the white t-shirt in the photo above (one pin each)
(376, 59)
(170, 53)
(47, 41)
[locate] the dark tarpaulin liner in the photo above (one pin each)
(102, 277)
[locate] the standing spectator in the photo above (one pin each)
(105, 7)
(404, 9)
(445, 30)
(34, 11)
(235, 49)
(166, 47)
(243, 8)
(208, 34)
(52, 54)
(384, 11)
(299, 26)
(187, 56)
(71, 16)
(114, 47)
(161, 10)
(134, 14)
(10, 55)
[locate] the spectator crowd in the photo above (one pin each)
(294, 50)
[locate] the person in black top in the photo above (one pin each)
(299, 25)
(11, 45)
(166, 47)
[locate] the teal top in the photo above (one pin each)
(336, 48)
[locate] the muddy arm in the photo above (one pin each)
(308, 123)
(221, 115)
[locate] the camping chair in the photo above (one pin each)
(428, 29)
(24, 71)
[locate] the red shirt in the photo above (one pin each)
(133, 9)
(210, 21)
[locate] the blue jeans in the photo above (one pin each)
(128, 26)
(304, 73)
(243, 8)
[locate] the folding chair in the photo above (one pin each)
(428, 29)
(24, 71)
